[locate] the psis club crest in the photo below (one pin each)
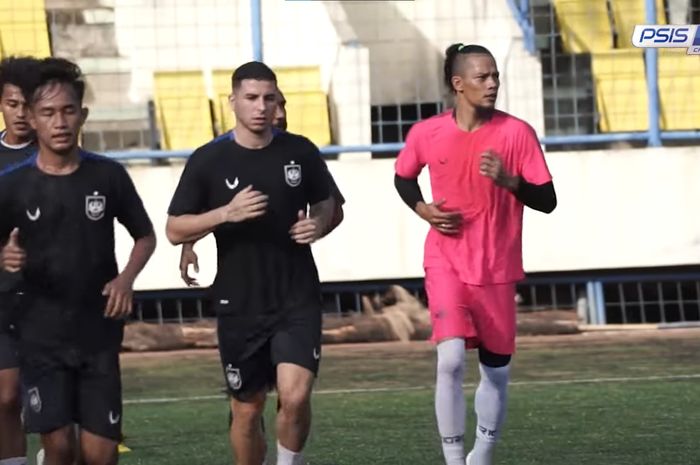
(233, 377)
(95, 206)
(292, 174)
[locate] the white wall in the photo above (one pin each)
(625, 208)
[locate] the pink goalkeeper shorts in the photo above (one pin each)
(484, 316)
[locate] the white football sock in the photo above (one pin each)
(490, 403)
(450, 405)
(288, 457)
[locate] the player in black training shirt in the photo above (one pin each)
(57, 224)
(189, 257)
(252, 190)
(16, 144)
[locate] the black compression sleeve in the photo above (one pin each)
(538, 197)
(408, 190)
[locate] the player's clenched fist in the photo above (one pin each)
(245, 205)
(13, 255)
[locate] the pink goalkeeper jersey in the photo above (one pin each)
(488, 249)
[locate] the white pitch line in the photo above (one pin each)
(626, 379)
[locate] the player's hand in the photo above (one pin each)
(492, 167)
(188, 257)
(447, 222)
(119, 293)
(305, 230)
(13, 255)
(245, 205)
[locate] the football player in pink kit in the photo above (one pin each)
(484, 166)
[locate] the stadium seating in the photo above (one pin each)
(620, 90)
(627, 14)
(183, 109)
(23, 29)
(225, 119)
(584, 25)
(679, 81)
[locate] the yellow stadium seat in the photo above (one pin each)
(627, 14)
(23, 29)
(584, 25)
(307, 114)
(183, 109)
(620, 90)
(299, 79)
(679, 81)
(225, 119)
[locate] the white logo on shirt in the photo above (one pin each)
(232, 185)
(95, 206)
(114, 419)
(34, 216)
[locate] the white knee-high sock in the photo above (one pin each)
(450, 405)
(14, 461)
(490, 403)
(288, 457)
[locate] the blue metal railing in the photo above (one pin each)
(521, 11)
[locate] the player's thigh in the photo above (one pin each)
(448, 304)
(494, 316)
(100, 395)
(297, 340)
(9, 371)
(97, 450)
(246, 362)
(48, 387)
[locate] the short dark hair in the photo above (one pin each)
(451, 59)
(252, 70)
(17, 71)
(55, 71)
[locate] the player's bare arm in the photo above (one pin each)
(248, 204)
(538, 197)
(120, 290)
(188, 257)
(317, 225)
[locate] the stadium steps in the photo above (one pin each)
(679, 81)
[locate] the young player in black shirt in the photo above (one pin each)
(59, 208)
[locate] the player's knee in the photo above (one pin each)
(294, 400)
(104, 457)
(450, 360)
(59, 446)
(248, 412)
(493, 360)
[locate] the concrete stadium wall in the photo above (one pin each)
(617, 209)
